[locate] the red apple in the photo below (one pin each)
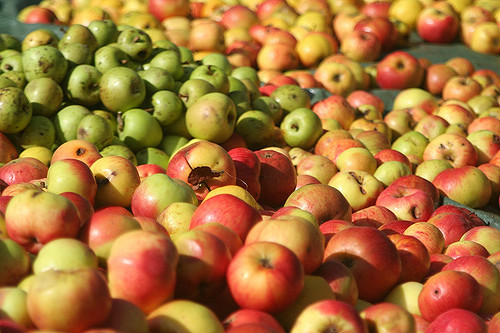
(449, 290)
(22, 170)
(411, 204)
(372, 258)
(8, 151)
(461, 88)
(395, 227)
(246, 316)
(341, 280)
(248, 168)
(265, 276)
(436, 76)
(464, 248)
(415, 258)
(331, 227)
(387, 316)
(430, 235)
(453, 148)
(382, 28)
(436, 26)
(459, 321)
(399, 70)
(162, 9)
(452, 226)
(145, 170)
(375, 216)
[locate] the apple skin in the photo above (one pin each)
(409, 204)
(416, 182)
(395, 227)
(248, 316)
(51, 292)
(84, 207)
(452, 225)
(467, 185)
(415, 259)
(34, 218)
(297, 234)
(436, 76)
(8, 151)
(465, 247)
(448, 290)
(336, 107)
(430, 235)
(202, 265)
(22, 170)
(225, 234)
(229, 211)
(323, 201)
(201, 154)
(461, 88)
(405, 295)
(378, 256)
(387, 316)
(331, 227)
(82, 150)
(436, 26)
(125, 316)
(485, 274)
(278, 177)
(70, 175)
(487, 236)
(375, 216)
(248, 167)
(382, 28)
(15, 263)
(265, 276)
(399, 70)
(459, 321)
(328, 315)
(142, 269)
(340, 279)
(438, 261)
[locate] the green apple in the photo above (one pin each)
(82, 85)
(269, 105)
(216, 76)
(66, 121)
(76, 54)
(95, 129)
(413, 97)
(179, 127)
(6, 82)
(256, 128)
(431, 168)
(152, 155)
(110, 117)
(135, 43)
(171, 143)
(167, 107)
(184, 315)
(138, 129)
(13, 305)
(156, 79)
(301, 128)
(186, 55)
(389, 171)
(169, 61)
(104, 31)
(406, 296)
(212, 117)
(191, 90)
(40, 132)
(236, 85)
(245, 72)
(45, 96)
(176, 218)
(64, 254)
(119, 150)
(44, 61)
(291, 97)
(108, 56)
(78, 33)
(17, 77)
(121, 89)
(15, 110)
(411, 143)
(218, 60)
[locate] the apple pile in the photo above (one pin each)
(152, 192)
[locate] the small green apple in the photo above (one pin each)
(301, 128)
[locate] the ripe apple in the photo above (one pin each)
(449, 290)
(82, 150)
(142, 269)
(363, 250)
(415, 97)
(454, 148)
(399, 70)
(51, 291)
(453, 182)
(465, 247)
(329, 315)
(361, 46)
(405, 295)
(84, 207)
(34, 218)
(415, 259)
(360, 188)
(336, 78)
(382, 316)
(436, 26)
(461, 88)
(22, 170)
(331, 227)
(427, 233)
(15, 262)
(410, 204)
(458, 320)
(261, 267)
(242, 317)
(438, 261)
(340, 279)
(336, 107)
(487, 236)
(382, 28)
(484, 38)
(436, 76)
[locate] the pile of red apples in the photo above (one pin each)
(334, 224)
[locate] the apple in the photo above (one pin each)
(183, 314)
(485, 274)
(199, 156)
(176, 218)
(142, 269)
(458, 320)
(449, 290)
(82, 150)
(84, 207)
(301, 128)
(410, 204)
(344, 22)
(331, 227)
(317, 166)
(336, 107)
(415, 97)
(382, 316)
(405, 295)
(438, 261)
(461, 88)
(382, 28)
(206, 35)
(484, 123)
(427, 233)
(336, 78)
(323, 201)
(242, 317)
(329, 315)
(487, 144)
(452, 225)
(278, 177)
(465, 247)
(64, 254)
(395, 227)
(436, 26)
(484, 38)
(22, 170)
(361, 46)
(51, 291)
(261, 267)
(454, 148)
(436, 76)
(225, 234)
(487, 236)
(399, 70)
(360, 188)
(15, 262)
(8, 150)
(415, 258)
(429, 169)
(452, 182)
(372, 258)
(340, 279)
(126, 316)
(34, 218)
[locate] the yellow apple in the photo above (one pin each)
(406, 296)
(406, 11)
